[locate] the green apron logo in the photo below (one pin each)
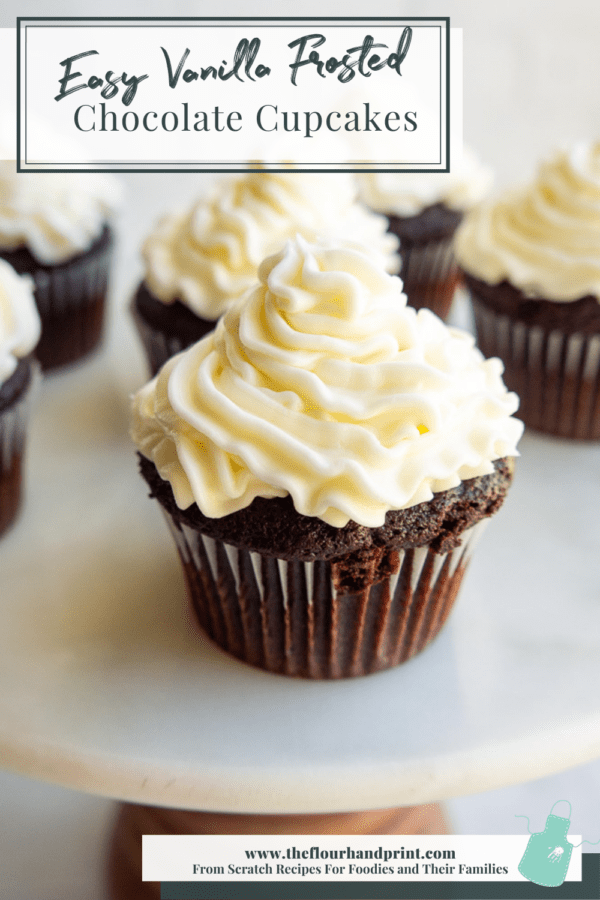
(548, 852)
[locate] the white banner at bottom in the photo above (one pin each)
(361, 858)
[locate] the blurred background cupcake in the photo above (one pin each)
(424, 210)
(532, 266)
(56, 228)
(199, 260)
(19, 333)
(326, 458)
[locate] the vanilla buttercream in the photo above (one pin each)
(20, 326)
(407, 194)
(323, 384)
(543, 238)
(208, 255)
(55, 215)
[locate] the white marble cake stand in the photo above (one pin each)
(106, 688)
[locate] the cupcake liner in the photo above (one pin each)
(165, 329)
(429, 271)
(430, 275)
(159, 346)
(289, 616)
(71, 298)
(13, 426)
(556, 375)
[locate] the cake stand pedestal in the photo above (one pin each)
(134, 820)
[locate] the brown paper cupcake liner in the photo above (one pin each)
(165, 328)
(70, 298)
(288, 617)
(430, 275)
(13, 426)
(556, 375)
(159, 346)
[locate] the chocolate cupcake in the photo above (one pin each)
(532, 266)
(424, 211)
(198, 261)
(55, 228)
(326, 458)
(19, 333)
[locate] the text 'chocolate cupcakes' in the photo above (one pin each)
(326, 458)
(532, 267)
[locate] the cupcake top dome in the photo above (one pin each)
(543, 238)
(208, 255)
(19, 320)
(407, 194)
(321, 383)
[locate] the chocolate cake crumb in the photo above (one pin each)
(272, 527)
(434, 223)
(170, 318)
(576, 316)
(25, 263)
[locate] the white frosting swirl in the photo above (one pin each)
(55, 215)
(19, 320)
(323, 384)
(544, 238)
(407, 194)
(209, 255)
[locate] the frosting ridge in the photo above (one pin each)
(543, 238)
(20, 326)
(323, 384)
(209, 255)
(408, 194)
(55, 215)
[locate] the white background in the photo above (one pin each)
(532, 71)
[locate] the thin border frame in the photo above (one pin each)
(237, 19)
